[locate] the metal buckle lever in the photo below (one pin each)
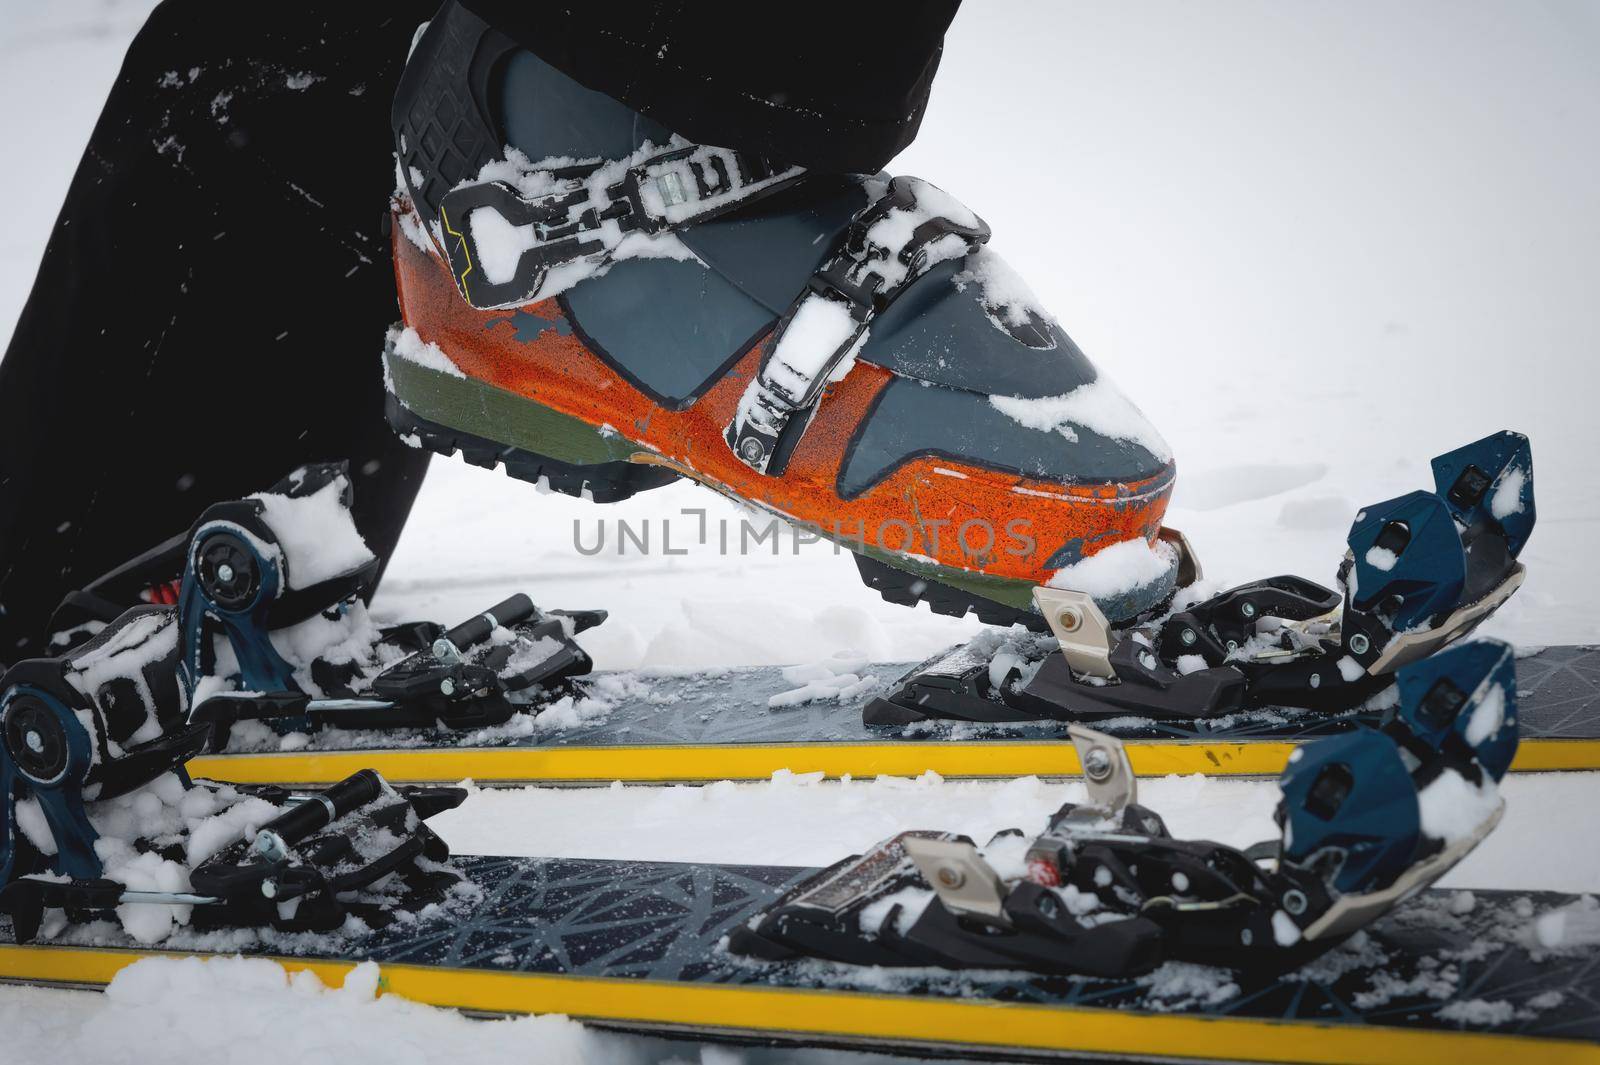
(548, 216)
(853, 276)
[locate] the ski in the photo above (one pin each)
(1101, 936)
(743, 724)
(634, 945)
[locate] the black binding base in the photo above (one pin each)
(933, 691)
(908, 589)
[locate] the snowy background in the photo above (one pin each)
(1317, 243)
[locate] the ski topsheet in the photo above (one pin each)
(1450, 976)
(746, 724)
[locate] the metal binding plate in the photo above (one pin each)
(1354, 911)
(1080, 628)
(1408, 647)
(1106, 769)
(960, 877)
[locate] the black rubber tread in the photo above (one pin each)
(606, 482)
(909, 589)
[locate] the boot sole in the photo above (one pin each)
(572, 457)
(603, 482)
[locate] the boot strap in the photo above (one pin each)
(888, 245)
(582, 212)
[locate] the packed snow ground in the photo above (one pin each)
(246, 1012)
(1316, 245)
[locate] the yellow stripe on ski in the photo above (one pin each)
(689, 763)
(862, 1018)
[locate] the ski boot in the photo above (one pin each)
(1369, 818)
(265, 621)
(1420, 572)
(98, 816)
(604, 307)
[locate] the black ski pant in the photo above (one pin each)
(831, 85)
(210, 309)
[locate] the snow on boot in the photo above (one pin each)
(603, 306)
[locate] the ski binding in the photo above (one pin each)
(1420, 572)
(260, 578)
(1369, 817)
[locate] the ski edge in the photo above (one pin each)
(860, 1019)
(697, 763)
